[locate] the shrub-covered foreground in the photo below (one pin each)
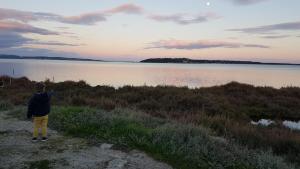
(184, 146)
(227, 110)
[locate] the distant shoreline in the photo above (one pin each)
(151, 60)
(193, 61)
(47, 58)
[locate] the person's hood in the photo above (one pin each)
(41, 97)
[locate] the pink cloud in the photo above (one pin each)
(201, 44)
(267, 29)
(25, 16)
(85, 19)
(126, 8)
(18, 27)
(247, 2)
(82, 19)
(92, 18)
(183, 19)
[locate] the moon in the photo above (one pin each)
(207, 3)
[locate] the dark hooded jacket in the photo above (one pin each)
(39, 104)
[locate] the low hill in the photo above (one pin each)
(194, 61)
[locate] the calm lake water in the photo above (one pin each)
(120, 73)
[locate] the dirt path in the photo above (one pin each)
(61, 152)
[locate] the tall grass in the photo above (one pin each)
(238, 101)
(4, 105)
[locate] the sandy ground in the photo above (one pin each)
(61, 152)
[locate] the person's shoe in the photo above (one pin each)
(34, 139)
(44, 139)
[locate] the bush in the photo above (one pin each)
(183, 146)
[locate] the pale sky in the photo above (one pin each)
(256, 30)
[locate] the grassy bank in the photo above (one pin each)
(226, 111)
(181, 145)
(233, 100)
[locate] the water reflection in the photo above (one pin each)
(119, 74)
(293, 125)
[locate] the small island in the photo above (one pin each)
(194, 61)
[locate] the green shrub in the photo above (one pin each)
(183, 146)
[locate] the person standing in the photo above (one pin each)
(39, 108)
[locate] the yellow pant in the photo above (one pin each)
(40, 123)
